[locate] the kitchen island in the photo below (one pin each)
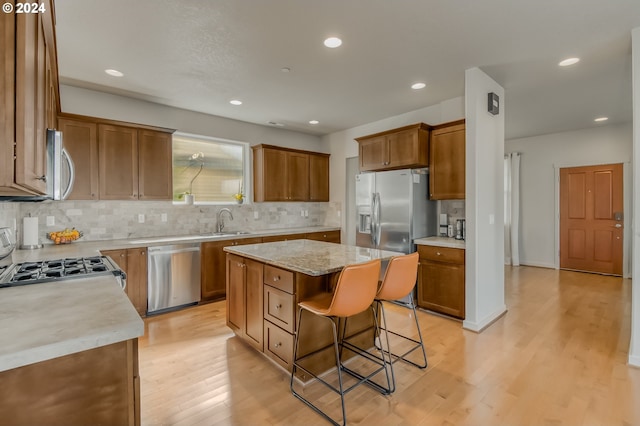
(266, 281)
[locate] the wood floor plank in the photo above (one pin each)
(559, 356)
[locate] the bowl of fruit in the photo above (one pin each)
(66, 236)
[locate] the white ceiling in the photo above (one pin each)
(200, 54)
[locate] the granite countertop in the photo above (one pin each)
(49, 320)
(440, 242)
(93, 248)
(309, 257)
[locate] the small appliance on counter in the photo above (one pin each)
(444, 225)
(460, 229)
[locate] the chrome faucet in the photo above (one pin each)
(219, 219)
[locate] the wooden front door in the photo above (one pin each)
(591, 221)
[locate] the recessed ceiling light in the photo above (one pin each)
(569, 61)
(285, 69)
(314, 122)
(114, 73)
(601, 119)
(333, 42)
(417, 86)
(235, 102)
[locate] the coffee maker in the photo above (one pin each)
(460, 229)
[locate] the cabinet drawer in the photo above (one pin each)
(279, 308)
(327, 236)
(441, 254)
(278, 278)
(278, 344)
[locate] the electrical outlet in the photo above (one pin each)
(256, 215)
(163, 217)
(302, 213)
(51, 221)
(306, 213)
(141, 218)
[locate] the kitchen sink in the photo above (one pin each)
(225, 234)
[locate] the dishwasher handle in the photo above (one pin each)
(154, 251)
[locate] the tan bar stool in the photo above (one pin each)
(398, 282)
(354, 293)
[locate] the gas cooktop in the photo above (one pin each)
(59, 269)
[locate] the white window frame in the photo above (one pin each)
(247, 171)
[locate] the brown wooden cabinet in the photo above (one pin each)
(213, 267)
(326, 236)
(245, 296)
(283, 174)
(155, 165)
(447, 166)
(28, 93)
(81, 141)
(318, 177)
(133, 262)
(96, 386)
(441, 286)
(405, 147)
(118, 161)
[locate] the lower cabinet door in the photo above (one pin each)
(441, 288)
(278, 345)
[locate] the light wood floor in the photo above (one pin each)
(559, 356)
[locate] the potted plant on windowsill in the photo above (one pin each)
(239, 196)
(189, 197)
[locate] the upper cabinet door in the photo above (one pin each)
(319, 177)
(118, 158)
(155, 165)
(30, 103)
(81, 141)
(297, 176)
(405, 147)
(447, 168)
(274, 177)
(373, 153)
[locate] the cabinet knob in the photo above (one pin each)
(278, 306)
(276, 278)
(277, 345)
(438, 253)
(42, 178)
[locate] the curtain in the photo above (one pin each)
(512, 209)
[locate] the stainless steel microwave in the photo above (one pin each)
(60, 172)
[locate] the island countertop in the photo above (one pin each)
(49, 320)
(309, 257)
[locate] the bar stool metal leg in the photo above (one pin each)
(381, 360)
(417, 343)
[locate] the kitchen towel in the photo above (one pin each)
(30, 231)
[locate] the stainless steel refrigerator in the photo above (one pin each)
(392, 209)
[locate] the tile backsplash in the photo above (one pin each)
(106, 220)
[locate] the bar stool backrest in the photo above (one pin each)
(355, 290)
(399, 278)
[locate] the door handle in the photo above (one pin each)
(617, 225)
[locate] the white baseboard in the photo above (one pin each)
(485, 322)
(634, 360)
(539, 265)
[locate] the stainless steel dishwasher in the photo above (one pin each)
(173, 277)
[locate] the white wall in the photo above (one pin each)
(484, 204)
(634, 349)
(99, 104)
(542, 156)
(342, 145)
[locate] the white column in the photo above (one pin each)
(634, 349)
(484, 269)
